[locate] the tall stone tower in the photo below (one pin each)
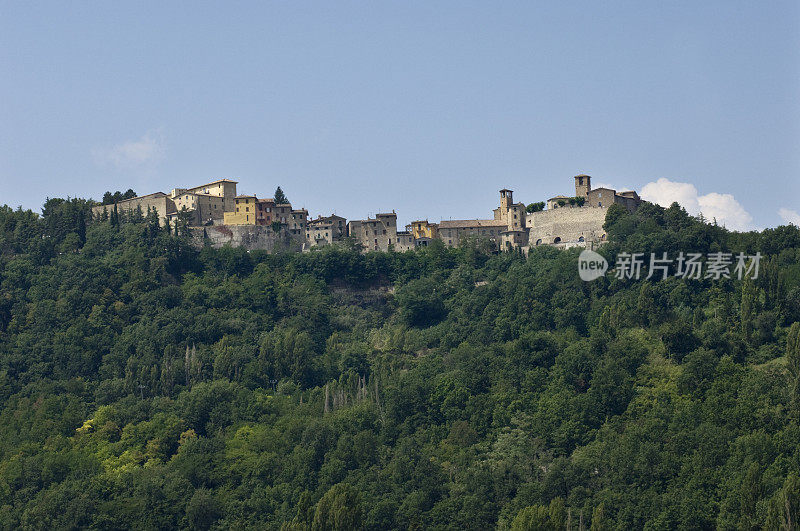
(506, 199)
(583, 185)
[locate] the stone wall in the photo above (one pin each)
(158, 201)
(250, 237)
(568, 225)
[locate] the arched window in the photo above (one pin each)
(581, 239)
(557, 240)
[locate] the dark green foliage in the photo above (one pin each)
(280, 197)
(148, 384)
(116, 197)
(535, 207)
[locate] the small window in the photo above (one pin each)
(599, 203)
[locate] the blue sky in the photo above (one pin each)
(428, 108)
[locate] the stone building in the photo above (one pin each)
(264, 211)
(158, 201)
(577, 221)
(453, 232)
(208, 202)
(375, 234)
(405, 241)
(298, 220)
(325, 230)
(282, 213)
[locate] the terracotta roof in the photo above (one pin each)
(471, 223)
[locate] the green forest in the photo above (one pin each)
(148, 384)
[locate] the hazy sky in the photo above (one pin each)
(428, 108)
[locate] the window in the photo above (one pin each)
(247, 209)
(599, 203)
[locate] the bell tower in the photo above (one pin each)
(506, 199)
(583, 185)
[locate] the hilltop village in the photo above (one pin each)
(213, 213)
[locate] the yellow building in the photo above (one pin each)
(244, 211)
(423, 229)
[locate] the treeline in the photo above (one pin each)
(148, 384)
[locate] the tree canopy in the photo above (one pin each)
(145, 383)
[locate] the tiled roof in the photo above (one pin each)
(471, 223)
(215, 182)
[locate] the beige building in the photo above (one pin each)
(574, 222)
(513, 214)
(405, 240)
(298, 221)
(158, 201)
(282, 213)
(375, 234)
(325, 230)
(208, 202)
(453, 232)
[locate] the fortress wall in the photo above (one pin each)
(162, 204)
(250, 237)
(569, 224)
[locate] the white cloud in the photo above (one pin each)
(133, 153)
(722, 207)
(789, 216)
